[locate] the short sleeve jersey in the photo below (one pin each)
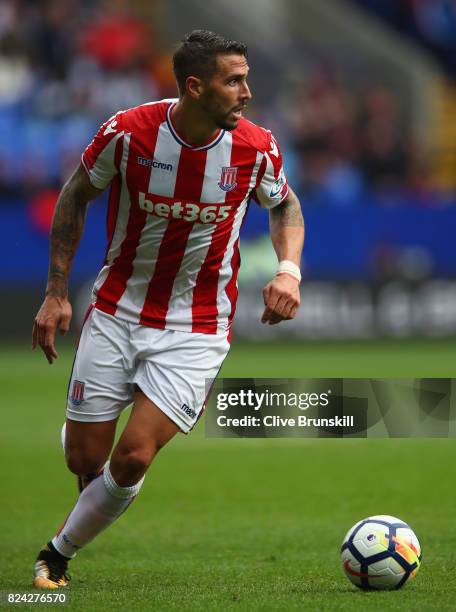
(174, 216)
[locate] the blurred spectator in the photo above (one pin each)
(431, 23)
(323, 124)
(325, 117)
(133, 43)
(48, 36)
(384, 155)
(41, 210)
(15, 74)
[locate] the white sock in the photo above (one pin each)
(99, 505)
(63, 436)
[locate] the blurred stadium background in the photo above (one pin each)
(360, 94)
(362, 97)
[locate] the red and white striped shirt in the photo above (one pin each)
(174, 216)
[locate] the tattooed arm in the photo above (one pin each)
(67, 226)
(281, 295)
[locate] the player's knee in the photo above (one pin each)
(129, 465)
(136, 461)
(81, 464)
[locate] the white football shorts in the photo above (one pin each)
(173, 369)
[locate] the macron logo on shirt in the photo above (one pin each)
(143, 161)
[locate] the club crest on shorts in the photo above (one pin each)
(77, 394)
(228, 178)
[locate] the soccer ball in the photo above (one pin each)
(380, 552)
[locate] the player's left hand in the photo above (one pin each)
(281, 299)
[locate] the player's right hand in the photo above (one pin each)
(55, 313)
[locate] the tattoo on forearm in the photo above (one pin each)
(66, 232)
(288, 213)
(287, 228)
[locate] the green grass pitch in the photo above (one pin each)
(224, 524)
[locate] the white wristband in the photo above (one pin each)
(288, 267)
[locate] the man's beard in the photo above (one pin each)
(225, 124)
(220, 118)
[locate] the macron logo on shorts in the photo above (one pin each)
(191, 413)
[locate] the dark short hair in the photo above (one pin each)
(197, 53)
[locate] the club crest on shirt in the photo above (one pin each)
(228, 178)
(77, 394)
